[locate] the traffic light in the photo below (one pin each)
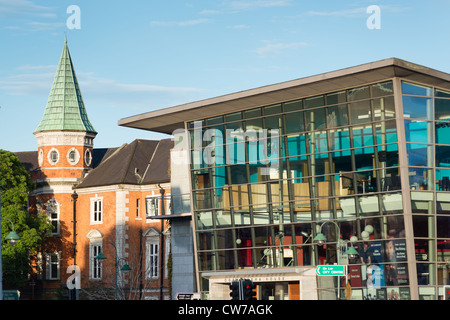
(234, 287)
(248, 288)
(446, 292)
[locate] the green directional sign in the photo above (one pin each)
(331, 270)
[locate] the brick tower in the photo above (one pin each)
(65, 155)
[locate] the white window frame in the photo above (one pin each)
(49, 265)
(50, 159)
(152, 257)
(55, 221)
(95, 265)
(151, 201)
(96, 212)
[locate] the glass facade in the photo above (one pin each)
(266, 181)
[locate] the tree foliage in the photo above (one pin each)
(15, 187)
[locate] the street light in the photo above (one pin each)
(124, 268)
(320, 239)
(12, 238)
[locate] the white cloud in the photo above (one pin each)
(180, 23)
(24, 7)
(355, 12)
(37, 80)
(276, 48)
(250, 4)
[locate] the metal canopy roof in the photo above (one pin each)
(65, 109)
(169, 119)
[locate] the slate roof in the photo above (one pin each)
(65, 109)
(140, 162)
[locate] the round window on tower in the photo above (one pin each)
(41, 157)
(73, 156)
(53, 156)
(88, 157)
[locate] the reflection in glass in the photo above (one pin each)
(419, 154)
(442, 132)
(417, 107)
(414, 89)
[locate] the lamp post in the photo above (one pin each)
(12, 238)
(125, 267)
(320, 239)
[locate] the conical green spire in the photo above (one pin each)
(65, 109)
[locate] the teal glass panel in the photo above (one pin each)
(442, 132)
(339, 139)
(362, 136)
(419, 131)
(442, 109)
(318, 142)
(364, 159)
(296, 145)
(443, 180)
(419, 155)
(443, 156)
(235, 153)
(417, 107)
(386, 132)
(414, 89)
(294, 122)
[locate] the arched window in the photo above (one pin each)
(95, 247)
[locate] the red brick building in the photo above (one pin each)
(99, 201)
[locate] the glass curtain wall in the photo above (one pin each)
(426, 113)
(264, 180)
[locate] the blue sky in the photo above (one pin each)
(142, 55)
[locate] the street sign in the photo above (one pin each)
(11, 295)
(331, 270)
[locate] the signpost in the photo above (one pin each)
(11, 295)
(331, 270)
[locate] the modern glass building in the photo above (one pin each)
(360, 156)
